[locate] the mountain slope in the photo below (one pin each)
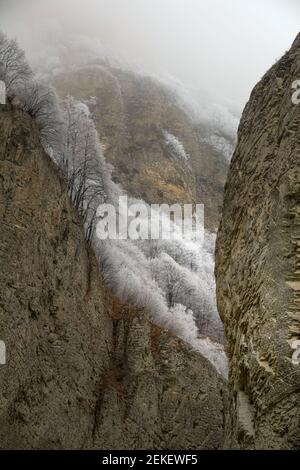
(83, 370)
(162, 154)
(159, 153)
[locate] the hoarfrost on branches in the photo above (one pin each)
(172, 279)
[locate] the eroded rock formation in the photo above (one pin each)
(257, 266)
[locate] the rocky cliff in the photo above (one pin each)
(83, 370)
(257, 267)
(137, 119)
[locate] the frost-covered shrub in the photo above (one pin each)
(175, 146)
(220, 144)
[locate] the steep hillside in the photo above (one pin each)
(83, 370)
(258, 266)
(159, 153)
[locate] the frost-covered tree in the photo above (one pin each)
(83, 162)
(182, 286)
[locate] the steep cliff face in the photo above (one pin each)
(83, 370)
(258, 266)
(137, 119)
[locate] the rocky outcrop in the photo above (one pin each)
(257, 266)
(133, 114)
(83, 370)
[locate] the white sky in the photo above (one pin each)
(220, 45)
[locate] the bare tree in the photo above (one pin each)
(14, 68)
(23, 90)
(40, 101)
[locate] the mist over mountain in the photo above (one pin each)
(216, 46)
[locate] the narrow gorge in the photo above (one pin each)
(143, 344)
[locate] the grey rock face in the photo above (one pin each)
(83, 370)
(257, 266)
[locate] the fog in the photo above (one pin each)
(222, 46)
